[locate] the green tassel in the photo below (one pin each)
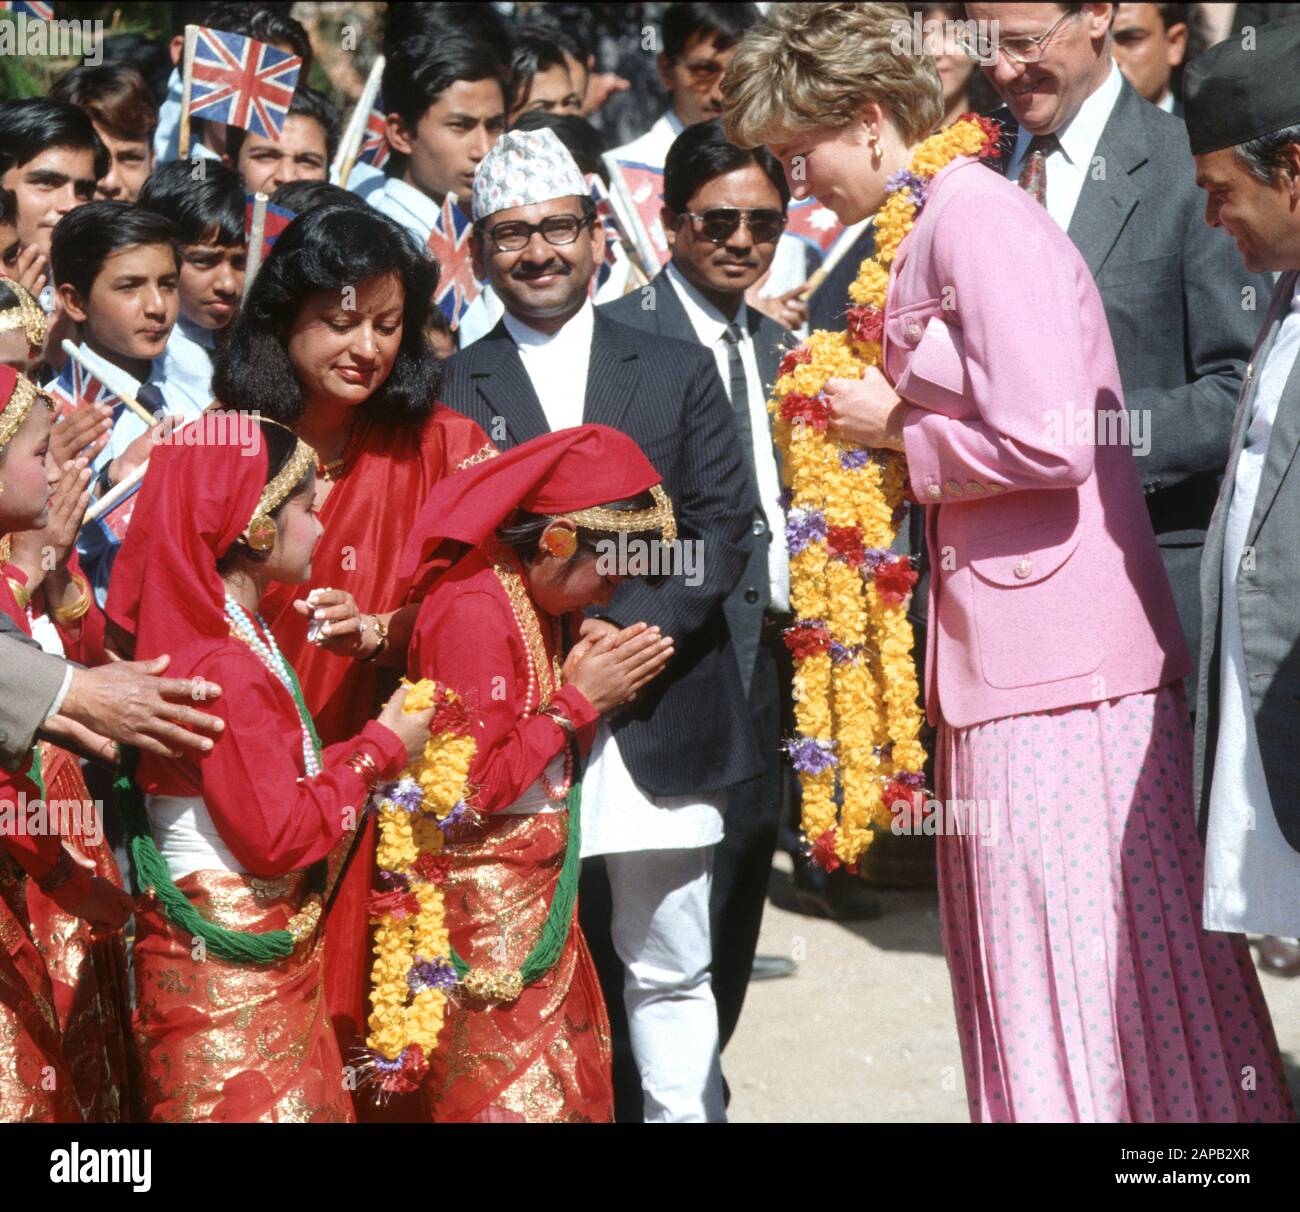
(152, 875)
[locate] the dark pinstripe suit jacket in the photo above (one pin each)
(690, 731)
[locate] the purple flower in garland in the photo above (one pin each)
(785, 499)
(810, 755)
(911, 779)
(431, 974)
(461, 814)
(841, 654)
(804, 526)
(872, 557)
(855, 460)
(405, 793)
(394, 880)
(903, 179)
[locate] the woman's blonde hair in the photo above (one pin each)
(811, 66)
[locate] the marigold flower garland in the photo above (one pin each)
(855, 686)
(413, 970)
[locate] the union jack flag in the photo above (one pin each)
(375, 148)
(33, 9)
(449, 242)
(242, 82)
(76, 388)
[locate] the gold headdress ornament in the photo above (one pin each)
(261, 531)
(19, 405)
(658, 517)
(25, 314)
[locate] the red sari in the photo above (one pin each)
(545, 1057)
(365, 518)
(222, 1040)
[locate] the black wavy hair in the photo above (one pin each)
(726, 22)
(86, 237)
(302, 196)
(306, 103)
(423, 67)
(328, 250)
(196, 207)
(702, 152)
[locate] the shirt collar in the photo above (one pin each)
(575, 335)
(419, 204)
(196, 333)
(1081, 134)
(709, 323)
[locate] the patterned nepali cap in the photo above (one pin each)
(525, 167)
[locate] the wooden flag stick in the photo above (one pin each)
(255, 238)
(846, 240)
(187, 85)
(94, 365)
(350, 146)
(642, 251)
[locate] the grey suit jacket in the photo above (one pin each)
(1183, 313)
(657, 308)
(30, 680)
(1268, 585)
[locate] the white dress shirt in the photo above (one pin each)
(1252, 875)
(412, 208)
(710, 327)
(1069, 163)
(187, 360)
(617, 815)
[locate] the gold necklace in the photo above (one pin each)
(544, 676)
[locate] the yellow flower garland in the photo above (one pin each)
(855, 686)
(412, 970)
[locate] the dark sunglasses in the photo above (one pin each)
(718, 226)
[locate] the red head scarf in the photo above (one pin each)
(196, 500)
(570, 469)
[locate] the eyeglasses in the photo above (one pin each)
(515, 235)
(719, 225)
(1018, 50)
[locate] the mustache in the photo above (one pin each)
(553, 267)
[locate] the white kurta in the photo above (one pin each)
(1252, 875)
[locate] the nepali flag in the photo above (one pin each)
(75, 388)
(375, 148)
(242, 82)
(813, 223)
(644, 185)
(277, 219)
(449, 242)
(32, 9)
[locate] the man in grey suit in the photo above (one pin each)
(724, 210)
(1113, 171)
(45, 696)
(1243, 123)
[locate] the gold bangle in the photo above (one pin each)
(20, 591)
(70, 614)
(381, 630)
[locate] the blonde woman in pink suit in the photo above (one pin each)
(1070, 872)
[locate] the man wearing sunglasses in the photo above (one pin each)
(1113, 171)
(724, 210)
(655, 785)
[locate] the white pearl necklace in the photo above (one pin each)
(269, 654)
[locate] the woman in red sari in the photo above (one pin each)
(240, 845)
(331, 342)
(543, 520)
(41, 877)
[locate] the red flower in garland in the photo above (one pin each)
(823, 852)
(894, 579)
(796, 357)
(397, 904)
(811, 410)
(452, 717)
(905, 801)
(433, 868)
(866, 323)
(408, 1075)
(807, 639)
(992, 135)
(846, 543)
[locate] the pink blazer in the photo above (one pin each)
(1047, 589)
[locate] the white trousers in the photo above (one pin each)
(661, 932)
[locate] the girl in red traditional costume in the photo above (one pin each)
(239, 845)
(545, 521)
(51, 970)
(331, 342)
